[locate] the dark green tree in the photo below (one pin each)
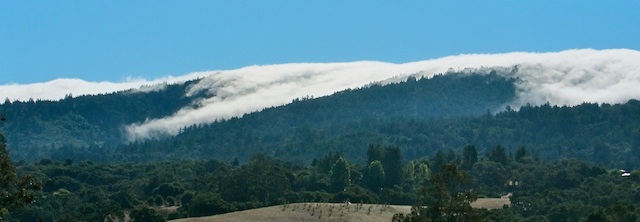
(340, 175)
(374, 152)
(491, 175)
(169, 189)
(207, 203)
(374, 177)
(623, 212)
(263, 179)
(601, 154)
(444, 199)
(235, 162)
(469, 157)
(596, 216)
(15, 192)
(437, 161)
(392, 162)
(520, 153)
(499, 154)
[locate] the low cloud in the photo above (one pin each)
(568, 77)
(561, 78)
(59, 88)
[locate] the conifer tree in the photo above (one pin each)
(469, 157)
(15, 192)
(392, 162)
(521, 153)
(499, 154)
(437, 161)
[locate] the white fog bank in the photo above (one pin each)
(568, 77)
(561, 78)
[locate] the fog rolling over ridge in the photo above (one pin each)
(568, 77)
(564, 78)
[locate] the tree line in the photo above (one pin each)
(440, 187)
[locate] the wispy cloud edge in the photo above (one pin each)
(568, 77)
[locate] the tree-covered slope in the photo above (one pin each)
(91, 125)
(603, 134)
(419, 116)
(451, 116)
(85, 120)
(301, 130)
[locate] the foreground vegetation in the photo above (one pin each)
(439, 187)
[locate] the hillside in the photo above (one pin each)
(35, 127)
(599, 133)
(420, 116)
(91, 127)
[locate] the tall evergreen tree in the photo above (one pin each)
(469, 157)
(392, 162)
(520, 153)
(499, 154)
(437, 161)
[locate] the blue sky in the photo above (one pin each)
(114, 40)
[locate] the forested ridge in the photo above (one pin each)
(436, 144)
(93, 125)
(34, 126)
(420, 116)
(604, 134)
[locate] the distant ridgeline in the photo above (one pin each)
(420, 116)
(40, 129)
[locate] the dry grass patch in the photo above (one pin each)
(492, 203)
(310, 212)
(329, 212)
